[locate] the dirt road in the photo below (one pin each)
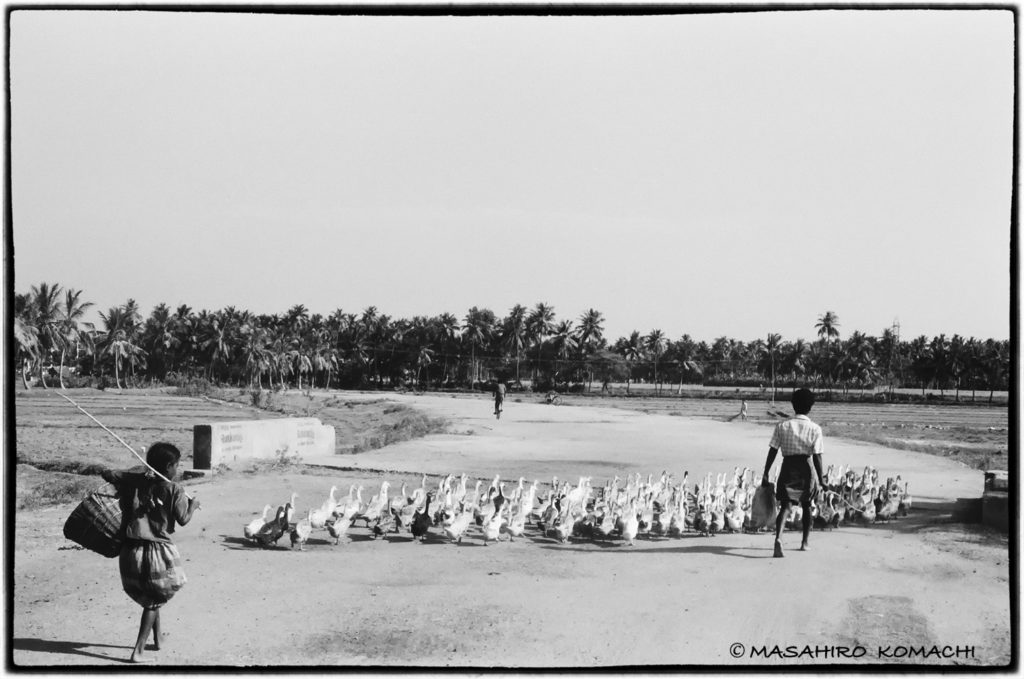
(919, 583)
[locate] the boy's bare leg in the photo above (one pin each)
(806, 526)
(145, 627)
(780, 521)
(158, 639)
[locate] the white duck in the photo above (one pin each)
(330, 504)
(303, 529)
(492, 529)
(339, 527)
(456, 525)
(255, 525)
(515, 523)
(376, 506)
(630, 523)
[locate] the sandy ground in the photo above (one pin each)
(919, 582)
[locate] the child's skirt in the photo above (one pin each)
(151, 572)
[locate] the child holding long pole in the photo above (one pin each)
(151, 506)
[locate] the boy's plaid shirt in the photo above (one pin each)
(797, 436)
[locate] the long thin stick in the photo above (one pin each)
(119, 440)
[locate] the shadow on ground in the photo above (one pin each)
(69, 647)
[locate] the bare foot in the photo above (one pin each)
(140, 658)
(778, 550)
(804, 547)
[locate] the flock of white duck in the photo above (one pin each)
(620, 508)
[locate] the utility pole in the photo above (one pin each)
(895, 364)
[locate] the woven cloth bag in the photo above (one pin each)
(763, 509)
(96, 522)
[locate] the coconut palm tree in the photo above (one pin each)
(45, 300)
(476, 330)
(159, 339)
(941, 362)
(974, 364)
(514, 334)
(958, 361)
(539, 325)
(563, 342)
(215, 342)
(424, 357)
(860, 359)
(114, 341)
(132, 324)
(631, 349)
(793, 359)
(921, 364)
(771, 352)
(996, 361)
(71, 325)
(684, 354)
(26, 338)
(654, 342)
(828, 326)
(446, 333)
(589, 337)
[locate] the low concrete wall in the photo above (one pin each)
(995, 510)
(227, 442)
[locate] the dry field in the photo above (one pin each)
(530, 603)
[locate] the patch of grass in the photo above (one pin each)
(412, 425)
(194, 387)
(975, 449)
(57, 489)
(80, 467)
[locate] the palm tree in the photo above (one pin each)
(631, 349)
(447, 332)
(684, 353)
(476, 329)
(539, 325)
(771, 348)
(47, 321)
(216, 342)
(424, 357)
(719, 352)
(131, 325)
(828, 326)
(974, 364)
(159, 339)
(71, 315)
(794, 359)
(514, 333)
(996, 361)
(114, 340)
(941, 361)
(887, 352)
(590, 336)
(921, 361)
(186, 341)
(26, 338)
(958, 361)
(563, 341)
(654, 342)
(860, 359)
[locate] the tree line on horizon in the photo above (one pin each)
(371, 349)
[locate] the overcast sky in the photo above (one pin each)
(732, 174)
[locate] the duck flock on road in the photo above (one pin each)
(621, 509)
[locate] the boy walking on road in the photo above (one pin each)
(800, 478)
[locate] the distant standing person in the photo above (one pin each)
(151, 571)
(800, 478)
(743, 409)
(499, 399)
